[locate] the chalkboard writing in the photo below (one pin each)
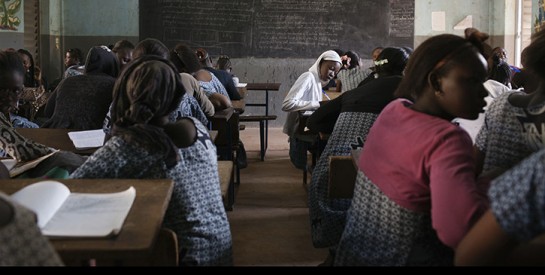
(279, 28)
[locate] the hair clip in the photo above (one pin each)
(381, 62)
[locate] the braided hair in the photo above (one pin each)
(147, 91)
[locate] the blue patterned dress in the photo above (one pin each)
(196, 212)
(21, 241)
(518, 199)
(213, 86)
(328, 216)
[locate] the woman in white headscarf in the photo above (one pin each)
(305, 95)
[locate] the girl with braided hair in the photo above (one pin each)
(145, 144)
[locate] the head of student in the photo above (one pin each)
(391, 61)
(123, 50)
(12, 74)
(185, 59)
(352, 61)
(151, 46)
(327, 66)
(445, 77)
(101, 60)
(534, 55)
(376, 52)
(147, 91)
(73, 57)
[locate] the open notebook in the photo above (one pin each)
(65, 214)
(17, 168)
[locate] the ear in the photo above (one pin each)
(434, 82)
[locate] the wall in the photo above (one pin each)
(72, 24)
(13, 38)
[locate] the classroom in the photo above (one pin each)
(416, 138)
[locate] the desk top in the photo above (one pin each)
(263, 86)
(54, 138)
(223, 115)
(139, 231)
(213, 135)
(356, 158)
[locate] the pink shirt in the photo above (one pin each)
(425, 163)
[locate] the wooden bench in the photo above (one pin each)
(342, 177)
(227, 185)
(262, 120)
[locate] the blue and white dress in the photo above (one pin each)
(518, 199)
(328, 216)
(196, 212)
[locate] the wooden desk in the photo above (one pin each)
(225, 122)
(213, 135)
(54, 138)
(137, 237)
(263, 87)
(331, 95)
(239, 105)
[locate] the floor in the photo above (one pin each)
(270, 222)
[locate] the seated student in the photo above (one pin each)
(186, 61)
(146, 145)
(306, 95)
(189, 107)
(123, 51)
(502, 236)
(30, 101)
(513, 127)
(73, 59)
(348, 119)
(224, 76)
(22, 242)
(81, 102)
(353, 73)
(416, 193)
(12, 143)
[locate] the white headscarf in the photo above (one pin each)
(327, 56)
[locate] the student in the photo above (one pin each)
(190, 106)
(123, 51)
(12, 143)
(514, 122)
(146, 145)
(353, 73)
(186, 61)
(22, 242)
(224, 76)
(81, 102)
(347, 119)
(416, 193)
(502, 236)
(35, 84)
(306, 95)
(73, 58)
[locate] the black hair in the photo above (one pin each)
(76, 54)
(151, 46)
(185, 59)
(391, 61)
(149, 89)
(30, 76)
(435, 55)
(355, 59)
(224, 63)
(10, 64)
(534, 55)
(122, 44)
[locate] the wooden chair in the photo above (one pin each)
(227, 185)
(166, 251)
(342, 177)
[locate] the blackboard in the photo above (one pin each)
(279, 28)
